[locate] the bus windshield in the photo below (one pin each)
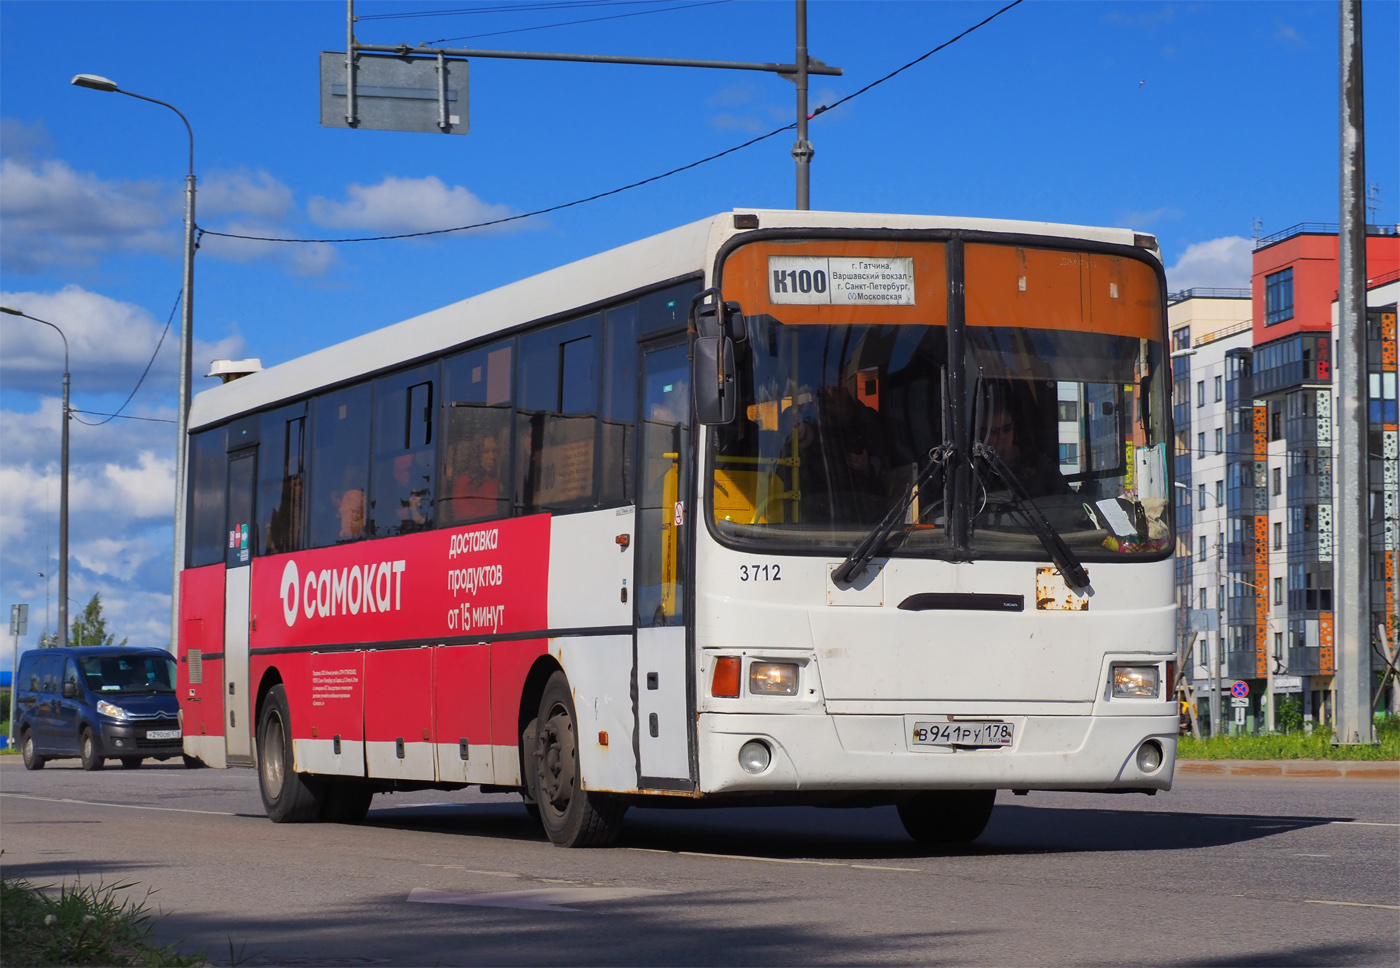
(845, 400)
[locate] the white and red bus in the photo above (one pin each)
(773, 507)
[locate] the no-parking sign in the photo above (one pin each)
(1239, 689)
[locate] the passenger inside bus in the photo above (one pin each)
(475, 491)
(350, 506)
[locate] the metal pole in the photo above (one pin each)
(183, 415)
(787, 70)
(63, 514)
(1353, 633)
(802, 148)
(1215, 681)
(350, 116)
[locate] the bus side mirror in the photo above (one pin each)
(716, 394)
(710, 315)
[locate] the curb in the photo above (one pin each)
(1308, 769)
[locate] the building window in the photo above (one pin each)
(1181, 338)
(1278, 297)
(1069, 454)
(1278, 535)
(1200, 393)
(1219, 389)
(1202, 502)
(1203, 547)
(1278, 645)
(1069, 410)
(1278, 480)
(1278, 591)
(1201, 598)
(1220, 440)
(1276, 426)
(1220, 494)
(1201, 444)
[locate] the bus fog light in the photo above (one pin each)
(773, 679)
(754, 756)
(1135, 682)
(1149, 756)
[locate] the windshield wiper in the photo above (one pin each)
(874, 542)
(1060, 553)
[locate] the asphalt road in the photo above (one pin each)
(1221, 871)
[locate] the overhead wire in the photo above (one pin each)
(637, 184)
(159, 343)
(506, 8)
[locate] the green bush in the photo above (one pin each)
(84, 924)
(1293, 746)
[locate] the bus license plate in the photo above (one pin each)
(974, 735)
(162, 734)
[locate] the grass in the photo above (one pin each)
(1293, 746)
(82, 924)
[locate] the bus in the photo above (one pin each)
(777, 507)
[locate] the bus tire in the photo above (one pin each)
(192, 762)
(571, 816)
(32, 760)
(947, 816)
(87, 751)
(288, 796)
(346, 801)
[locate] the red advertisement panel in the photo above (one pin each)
(486, 579)
(398, 695)
(462, 693)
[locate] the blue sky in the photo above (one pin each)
(1189, 120)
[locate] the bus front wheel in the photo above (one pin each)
(947, 816)
(571, 816)
(288, 796)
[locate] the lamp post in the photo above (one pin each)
(62, 487)
(96, 83)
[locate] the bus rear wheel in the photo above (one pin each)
(571, 816)
(288, 796)
(947, 816)
(346, 801)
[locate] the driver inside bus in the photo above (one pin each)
(1037, 475)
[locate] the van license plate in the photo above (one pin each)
(967, 735)
(162, 734)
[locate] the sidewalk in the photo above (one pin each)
(1340, 769)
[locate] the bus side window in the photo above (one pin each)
(618, 485)
(339, 466)
(280, 506)
(208, 479)
(405, 452)
(476, 406)
(557, 417)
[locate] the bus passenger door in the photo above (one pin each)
(663, 701)
(238, 558)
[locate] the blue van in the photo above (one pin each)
(97, 702)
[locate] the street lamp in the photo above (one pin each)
(62, 487)
(97, 83)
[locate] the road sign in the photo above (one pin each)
(1239, 703)
(1240, 689)
(19, 619)
(1239, 715)
(395, 93)
(1288, 684)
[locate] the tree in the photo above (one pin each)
(90, 628)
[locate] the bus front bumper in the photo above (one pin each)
(823, 752)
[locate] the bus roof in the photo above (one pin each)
(670, 255)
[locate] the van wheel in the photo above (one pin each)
(288, 796)
(947, 816)
(132, 762)
(87, 751)
(346, 801)
(32, 760)
(571, 815)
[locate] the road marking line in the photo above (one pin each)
(468, 870)
(775, 860)
(119, 806)
(1312, 855)
(1383, 907)
(1360, 823)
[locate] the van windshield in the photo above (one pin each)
(130, 673)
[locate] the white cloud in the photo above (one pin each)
(297, 258)
(53, 215)
(404, 205)
(1220, 263)
(109, 343)
(747, 109)
(243, 193)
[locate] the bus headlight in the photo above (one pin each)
(1149, 756)
(1135, 682)
(754, 756)
(773, 679)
